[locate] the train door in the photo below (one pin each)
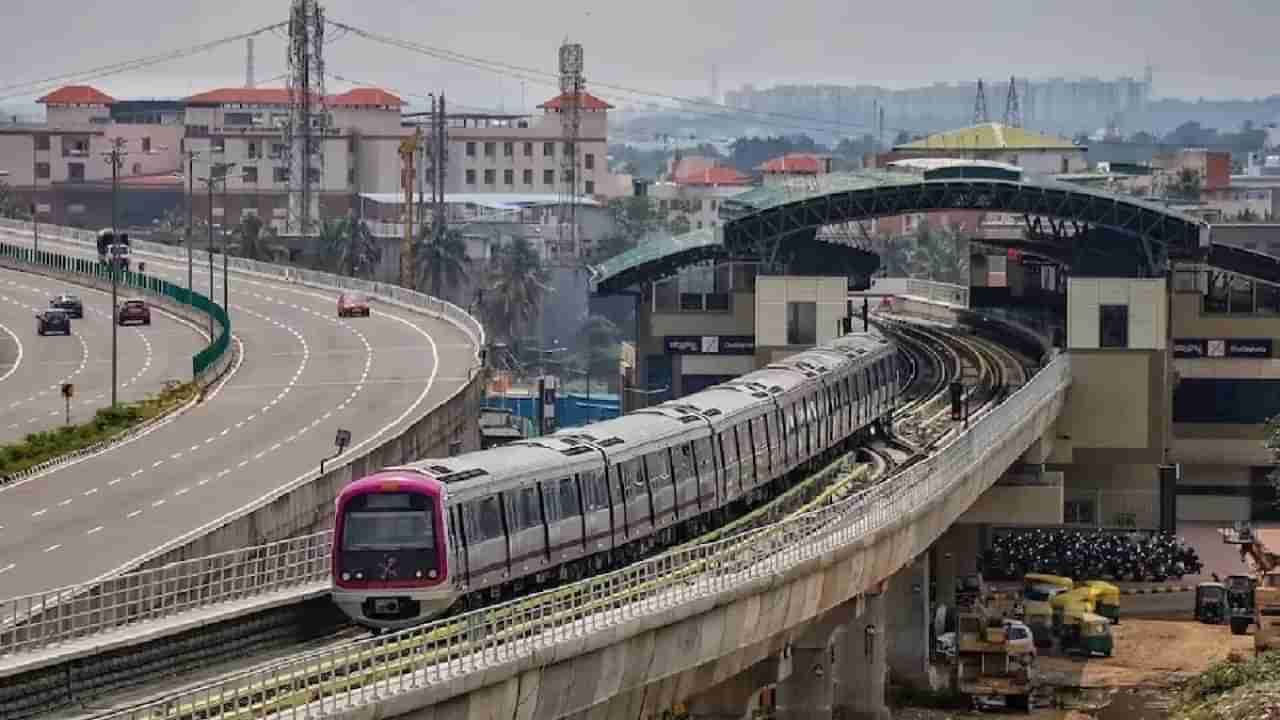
(488, 546)
(559, 536)
(657, 466)
(709, 481)
(525, 529)
(597, 525)
(757, 443)
(685, 478)
(458, 543)
(732, 472)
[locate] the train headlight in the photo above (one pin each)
(433, 574)
(346, 576)
(418, 574)
(359, 576)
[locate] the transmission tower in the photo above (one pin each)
(571, 84)
(980, 105)
(1012, 109)
(305, 129)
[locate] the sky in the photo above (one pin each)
(1220, 50)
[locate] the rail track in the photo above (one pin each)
(934, 358)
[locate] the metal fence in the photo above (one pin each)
(938, 292)
(40, 620)
(130, 280)
(370, 671)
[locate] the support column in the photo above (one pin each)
(806, 691)
(861, 664)
(908, 619)
(731, 699)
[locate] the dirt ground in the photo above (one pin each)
(1149, 653)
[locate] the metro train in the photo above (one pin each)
(412, 542)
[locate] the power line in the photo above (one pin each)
(552, 79)
(30, 86)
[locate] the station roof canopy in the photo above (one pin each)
(796, 189)
(659, 257)
(989, 136)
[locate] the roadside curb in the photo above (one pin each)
(1159, 590)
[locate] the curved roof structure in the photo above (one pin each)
(773, 217)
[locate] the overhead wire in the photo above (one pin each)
(551, 79)
(34, 86)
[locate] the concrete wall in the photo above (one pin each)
(1017, 505)
(645, 665)
(1093, 419)
(774, 292)
(1116, 491)
(1145, 299)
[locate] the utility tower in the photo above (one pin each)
(571, 84)
(305, 130)
(1012, 109)
(980, 105)
(248, 63)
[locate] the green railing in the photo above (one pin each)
(201, 361)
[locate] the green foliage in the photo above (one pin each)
(1232, 689)
(637, 216)
(445, 263)
(106, 423)
(599, 344)
(517, 285)
(256, 241)
(748, 153)
(349, 248)
(1186, 185)
(10, 206)
(939, 255)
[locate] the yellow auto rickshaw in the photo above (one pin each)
(1108, 599)
(1074, 602)
(1037, 591)
(1032, 579)
(1094, 635)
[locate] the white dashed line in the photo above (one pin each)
(65, 503)
(7, 568)
(116, 481)
(157, 503)
(94, 530)
(90, 491)
(157, 463)
(135, 513)
(38, 513)
(51, 548)
(182, 492)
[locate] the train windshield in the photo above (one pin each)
(388, 521)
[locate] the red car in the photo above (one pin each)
(353, 304)
(135, 311)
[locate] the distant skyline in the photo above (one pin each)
(661, 46)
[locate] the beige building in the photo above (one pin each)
(1034, 152)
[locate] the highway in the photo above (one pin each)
(302, 375)
(35, 367)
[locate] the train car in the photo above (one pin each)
(556, 508)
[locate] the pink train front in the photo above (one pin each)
(390, 556)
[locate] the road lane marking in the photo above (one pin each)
(135, 513)
(94, 530)
(51, 548)
(38, 513)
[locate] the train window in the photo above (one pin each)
(702, 452)
(729, 445)
(594, 495)
(550, 502)
(659, 468)
(682, 463)
(526, 511)
(388, 530)
(631, 478)
(569, 498)
(488, 518)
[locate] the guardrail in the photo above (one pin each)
(40, 620)
(938, 291)
(371, 671)
(201, 361)
(435, 306)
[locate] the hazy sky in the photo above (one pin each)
(1221, 49)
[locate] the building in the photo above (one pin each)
(61, 167)
(697, 195)
(794, 165)
(1034, 152)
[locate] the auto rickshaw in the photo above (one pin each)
(1095, 635)
(1038, 589)
(1083, 597)
(1108, 599)
(1211, 603)
(1031, 579)
(1067, 616)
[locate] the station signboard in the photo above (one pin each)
(709, 345)
(1222, 347)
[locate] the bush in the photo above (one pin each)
(1234, 672)
(106, 424)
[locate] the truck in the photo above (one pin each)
(1265, 581)
(994, 657)
(113, 247)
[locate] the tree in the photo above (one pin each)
(517, 285)
(748, 153)
(679, 224)
(599, 344)
(1186, 185)
(256, 241)
(445, 263)
(941, 256)
(637, 216)
(10, 206)
(349, 248)
(171, 228)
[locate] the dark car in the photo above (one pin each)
(70, 303)
(53, 322)
(134, 311)
(352, 303)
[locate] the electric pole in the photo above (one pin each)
(191, 199)
(217, 173)
(408, 152)
(35, 205)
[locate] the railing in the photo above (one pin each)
(202, 360)
(371, 671)
(938, 291)
(36, 621)
(395, 293)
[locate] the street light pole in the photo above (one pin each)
(35, 205)
(191, 199)
(116, 158)
(209, 182)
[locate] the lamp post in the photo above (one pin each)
(217, 173)
(191, 199)
(116, 158)
(35, 205)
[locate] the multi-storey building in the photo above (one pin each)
(696, 195)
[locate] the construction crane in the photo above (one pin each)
(408, 178)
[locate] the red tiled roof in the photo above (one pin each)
(358, 97)
(586, 101)
(692, 164)
(77, 95)
(794, 163)
(713, 176)
(364, 97)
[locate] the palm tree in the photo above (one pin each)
(349, 248)
(171, 227)
(444, 263)
(253, 240)
(516, 288)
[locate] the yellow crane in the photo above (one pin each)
(408, 176)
